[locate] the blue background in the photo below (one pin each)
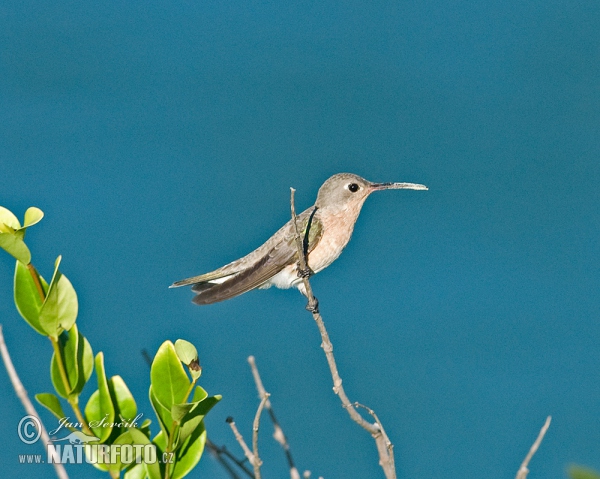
(161, 139)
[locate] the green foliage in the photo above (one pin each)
(578, 472)
(13, 244)
(100, 409)
(28, 298)
(182, 435)
(51, 403)
(12, 233)
(169, 381)
(111, 411)
(188, 355)
(59, 310)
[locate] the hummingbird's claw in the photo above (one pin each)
(313, 306)
(304, 272)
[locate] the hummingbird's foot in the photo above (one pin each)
(304, 272)
(313, 306)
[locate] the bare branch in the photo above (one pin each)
(22, 395)
(523, 471)
(277, 430)
(384, 440)
(384, 446)
(214, 450)
(221, 453)
(253, 457)
(257, 462)
(240, 440)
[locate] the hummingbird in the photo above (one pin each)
(326, 229)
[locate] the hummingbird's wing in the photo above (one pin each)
(268, 260)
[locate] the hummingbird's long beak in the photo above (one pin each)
(397, 186)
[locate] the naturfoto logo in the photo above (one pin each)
(78, 447)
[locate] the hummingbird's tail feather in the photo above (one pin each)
(253, 277)
(201, 287)
(214, 276)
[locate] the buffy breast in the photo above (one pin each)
(337, 231)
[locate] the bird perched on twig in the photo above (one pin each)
(326, 228)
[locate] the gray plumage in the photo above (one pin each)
(330, 224)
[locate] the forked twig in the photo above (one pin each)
(255, 426)
(277, 430)
(22, 395)
(252, 456)
(384, 447)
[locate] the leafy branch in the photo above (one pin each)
(110, 414)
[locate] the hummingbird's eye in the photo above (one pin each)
(353, 187)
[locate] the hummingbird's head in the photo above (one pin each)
(347, 191)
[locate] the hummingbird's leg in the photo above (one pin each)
(312, 306)
(304, 273)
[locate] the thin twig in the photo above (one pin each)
(240, 439)
(222, 452)
(22, 395)
(257, 462)
(523, 471)
(384, 446)
(277, 430)
(386, 440)
(147, 357)
(214, 450)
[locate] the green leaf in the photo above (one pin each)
(100, 411)
(59, 310)
(85, 362)
(170, 383)
(33, 215)
(117, 465)
(51, 403)
(27, 297)
(69, 348)
(165, 419)
(145, 427)
(136, 472)
(160, 442)
(64, 341)
(70, 356)
(186, 351)
(200, 394)
(152, 469)
(92, 453)
(56, 378)
(579, 472)
(7, 218)
(194, 418)
(188, 355)
(178, 411)
(122, 398)
(15, 246)
(190, 453)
